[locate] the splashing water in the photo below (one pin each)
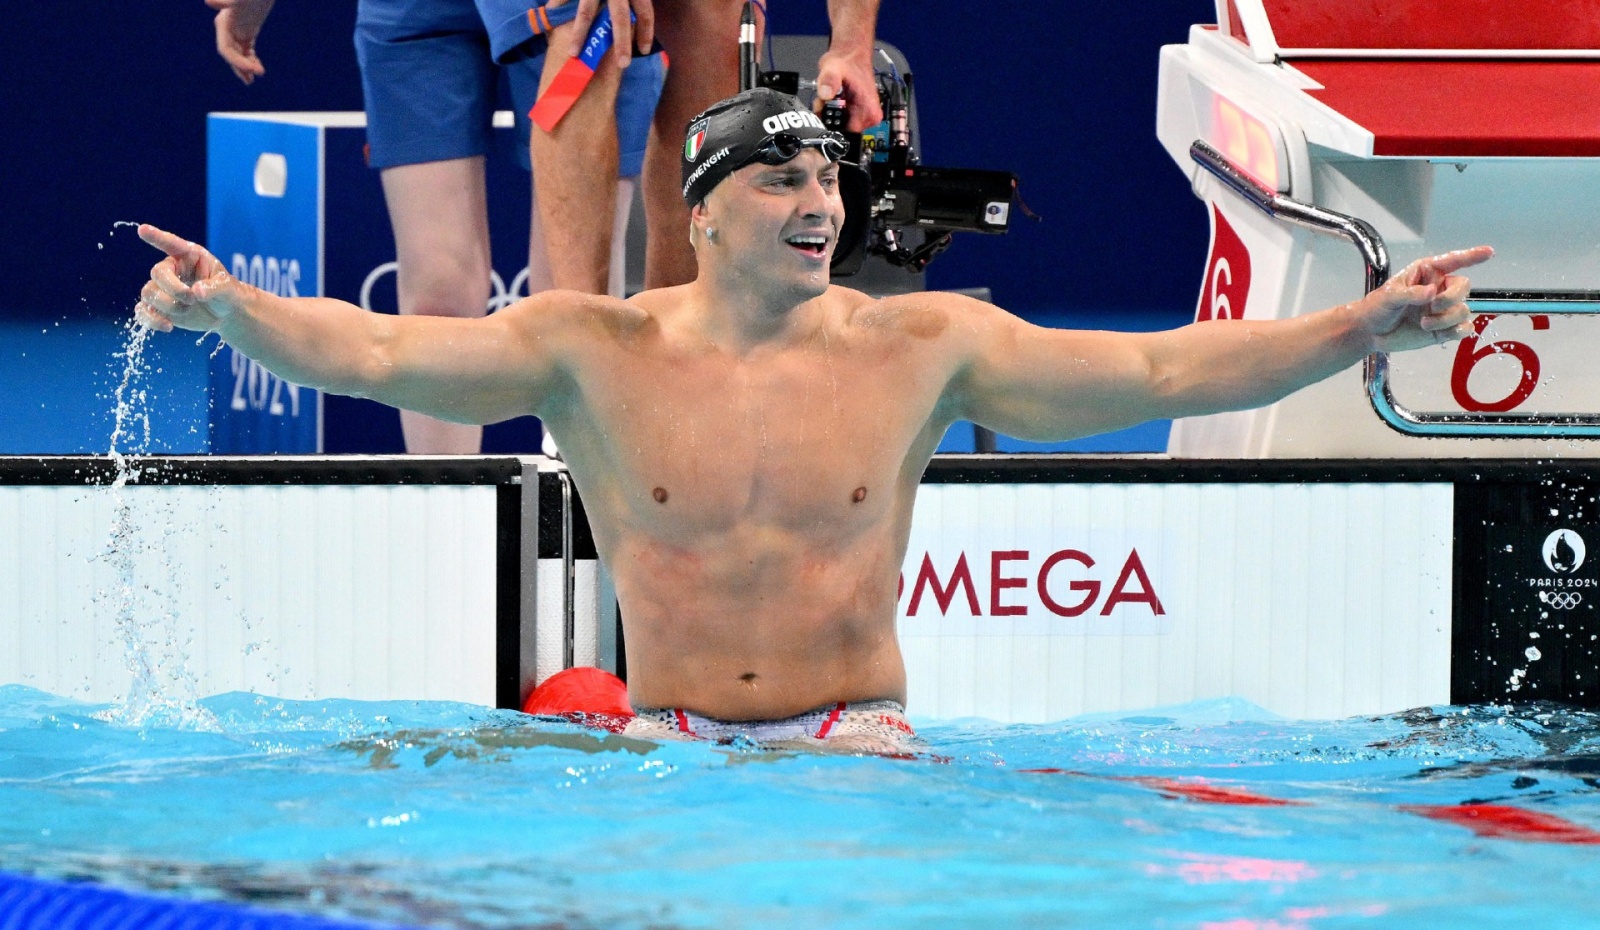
(163, 691)
(118, 224)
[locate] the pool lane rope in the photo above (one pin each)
(1502, 821)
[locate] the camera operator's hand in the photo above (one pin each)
(849, 76)
(845, 69)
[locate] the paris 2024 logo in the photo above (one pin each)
(1564, 553)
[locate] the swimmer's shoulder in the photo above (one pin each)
(659, 301)
(917, 315)
(557, 311)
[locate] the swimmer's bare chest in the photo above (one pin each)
(753, 512)
(810, 441)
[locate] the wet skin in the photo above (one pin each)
(754, 507)
(728, 452)
(749, 445)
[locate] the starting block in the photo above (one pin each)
(1334, 143)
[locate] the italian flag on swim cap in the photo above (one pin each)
(697, 138)
(729, 134)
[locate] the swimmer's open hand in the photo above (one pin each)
(188, 289)
(1423, 305)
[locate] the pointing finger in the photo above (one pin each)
(176, 246)
(1462, 258)
(188, 259)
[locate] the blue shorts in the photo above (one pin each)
(429, 79)
(517, 28)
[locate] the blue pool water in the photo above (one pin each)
(450, 815)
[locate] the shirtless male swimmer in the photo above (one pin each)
(749, 445)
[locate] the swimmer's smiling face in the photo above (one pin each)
(776, 224)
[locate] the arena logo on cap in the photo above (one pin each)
(697, 138)
(793, 119)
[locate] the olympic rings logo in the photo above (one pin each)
(1561, 600)
(500, 296)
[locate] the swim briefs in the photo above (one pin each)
(429, 80)
(878, 727)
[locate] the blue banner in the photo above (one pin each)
(264, 222)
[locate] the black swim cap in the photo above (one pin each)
(757, 125)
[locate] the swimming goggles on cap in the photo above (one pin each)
(783, 147)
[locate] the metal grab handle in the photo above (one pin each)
(1376, 259)
(1360, 233)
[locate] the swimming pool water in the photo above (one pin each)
(1213, 815)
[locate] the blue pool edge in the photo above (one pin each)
(40, 904)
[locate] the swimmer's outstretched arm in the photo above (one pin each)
(1046, 384)
(464, 370)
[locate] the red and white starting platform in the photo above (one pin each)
(1335, 141)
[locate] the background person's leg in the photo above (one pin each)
(429, 87)
(441, 238)
(638, 88)
(540, 277)
(574, 171)
(617, 283)
(702, 38)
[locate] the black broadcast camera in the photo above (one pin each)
(888, 193)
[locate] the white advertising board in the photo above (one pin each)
(366, 592)
(1034, 602)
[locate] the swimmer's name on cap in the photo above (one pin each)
(757, 125)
